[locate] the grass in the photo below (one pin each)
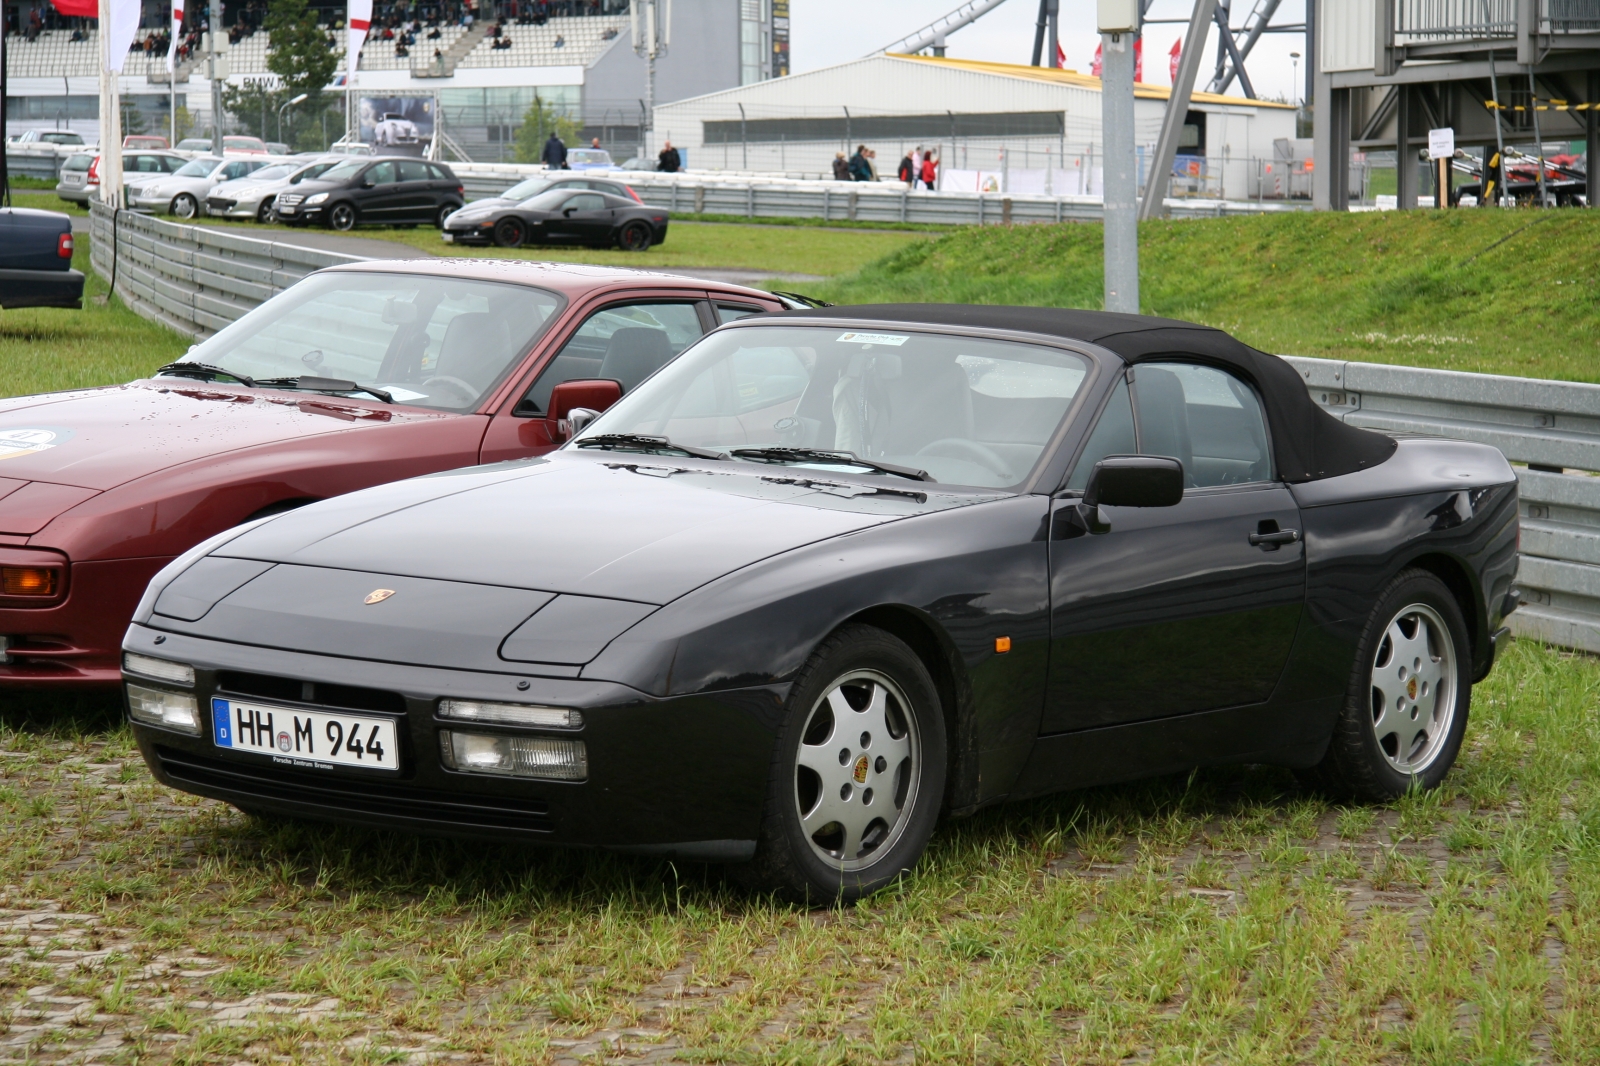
(45, 349)
(1502, 292)
(46, 200)
(1223, 917)
(791, 249)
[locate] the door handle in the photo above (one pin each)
(1271, 541)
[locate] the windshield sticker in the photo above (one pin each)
(15, 442)
(872, 338)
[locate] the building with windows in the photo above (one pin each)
(576, 56)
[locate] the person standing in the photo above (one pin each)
(860, 169)
(908, 169)
(841, 167)
(555, 153)
(930, 170)
(669, 161)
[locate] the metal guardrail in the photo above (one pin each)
(770, 197)
(36, 162)
(196, 280)
(1551, 429)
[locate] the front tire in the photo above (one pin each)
(185, 206)
(342, 217)
(1410, 690)
(509, 233)
(635, 237)
(858, 773)
(264, 213)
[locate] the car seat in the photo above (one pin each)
(476, 347)
(634, 353)
(889, 404)
(1164, 417)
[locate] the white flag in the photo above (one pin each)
(124, 24)
(359, 22)
(177, 31)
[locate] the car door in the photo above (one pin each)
(1177, 609)
(377, 192)
(583, 218)
(416, 196)
(625, 341)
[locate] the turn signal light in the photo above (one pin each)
(27, 581)
(1002, 645)
(64, 246)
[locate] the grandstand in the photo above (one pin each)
(583, 41)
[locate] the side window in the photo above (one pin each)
(626, 343)
(1113, 435)
(1207, 419)
(234, 170)
(733, 312)
(173, 163)
(410, 171)
(586, 201)
(380, 174)
(438, 173)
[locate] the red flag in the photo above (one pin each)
(1094, 65)
(1138, 59)
(1177, 50)
(1061, 56)
(89, 9)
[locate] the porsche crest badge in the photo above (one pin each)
(378, 595)
(860, 771)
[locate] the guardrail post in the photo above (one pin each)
(854, 196)
(699, 199)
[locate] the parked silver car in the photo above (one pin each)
(80, 173)
(253, 195)
(182, 193)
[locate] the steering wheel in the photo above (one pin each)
(971, 451)
(468, 393)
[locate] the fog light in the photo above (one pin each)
(27, 581)
(169, 710)
(545, 757)
(161, 669)
(512, 714)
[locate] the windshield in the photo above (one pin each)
(77, 162)
(313, 171)
(197, 168)
(550, 199)
(522, 190)
(968, 411)
(589, 155)
(343, 171)
(431, 341)
(272, 173)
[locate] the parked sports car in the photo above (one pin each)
(355, 376)
(561, 216)
(834, 573)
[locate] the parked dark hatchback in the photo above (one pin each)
(375, 192)
(561, 216)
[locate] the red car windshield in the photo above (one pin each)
(431, 341)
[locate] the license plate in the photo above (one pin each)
(286, 210)
(317, 740)
(449, 238)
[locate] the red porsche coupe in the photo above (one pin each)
(357, 375)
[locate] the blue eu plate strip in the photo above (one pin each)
(222, 722)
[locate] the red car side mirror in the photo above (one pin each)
(593, 395)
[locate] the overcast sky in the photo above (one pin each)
(825, 32)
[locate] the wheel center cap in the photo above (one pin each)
(860, 771)
(1411, 688)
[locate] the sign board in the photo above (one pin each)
(1442, 143)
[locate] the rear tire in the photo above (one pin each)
(635, 237)
(341, 217)
(509, 233)
(1410, 691)
(265, 214)
(444, 212)
(185, 206)
(858, 772)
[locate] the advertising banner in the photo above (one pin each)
(397, 125)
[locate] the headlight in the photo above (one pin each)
(512, 714)
(169, 710)
(543, 757)
(161, 669)
(316, 198)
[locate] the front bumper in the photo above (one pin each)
(76, 643)
(148, 201)
(468, 236)
(683, 776)
(221, 207)
(299, 213)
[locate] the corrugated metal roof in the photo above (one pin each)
(1141, 90)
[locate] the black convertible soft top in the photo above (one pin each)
(1308, 443)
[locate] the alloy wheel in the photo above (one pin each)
(856, 770)
(342, 217)
(1414, 695)
(635, 237)
(508, 233)
(185, 206)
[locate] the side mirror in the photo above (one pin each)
(368, 184)
(1135, 481)
(568, 212)
(588, 396)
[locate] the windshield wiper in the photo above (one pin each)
(644, 442)
(817, 455)
(316, 384)
(203, 371)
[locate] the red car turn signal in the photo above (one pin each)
(64, 246)
(27, 581)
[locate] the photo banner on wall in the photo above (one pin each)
(397, 125)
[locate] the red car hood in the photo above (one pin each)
(100, 438)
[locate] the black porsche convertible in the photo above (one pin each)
(561, 215)
(832, 574)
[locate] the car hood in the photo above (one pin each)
(100, 438)
(622, 526)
